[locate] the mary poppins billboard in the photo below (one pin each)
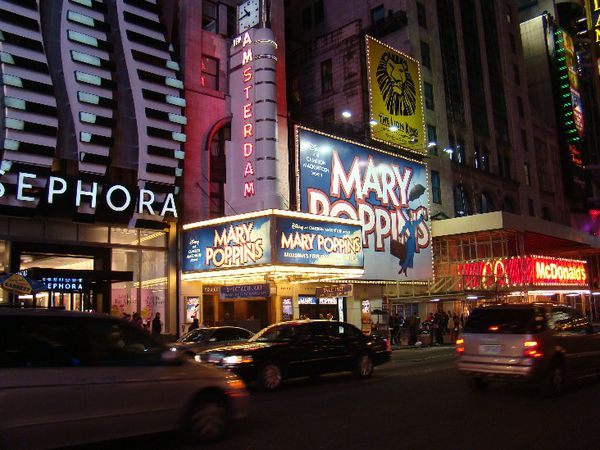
(385, 192)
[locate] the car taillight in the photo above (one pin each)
(388, 348)
(460, 346)
(531, 349)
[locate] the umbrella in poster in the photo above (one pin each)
(20, 285)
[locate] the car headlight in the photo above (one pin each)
(237, 359)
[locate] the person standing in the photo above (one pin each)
(413, 329)
(195, 325)
(156, 325)
(451, 324)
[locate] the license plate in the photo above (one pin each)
(492, 349)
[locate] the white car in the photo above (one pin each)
(69, 378)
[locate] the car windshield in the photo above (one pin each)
(275, 333)
(197, 335)
(505, 321)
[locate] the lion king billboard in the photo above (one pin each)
(386, 193)
(395, 98)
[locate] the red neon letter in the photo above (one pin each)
(248, 132)
(249, 189)
(248, 149)
(247, 74)
(247, 91)
(247, 110)
(249, 170)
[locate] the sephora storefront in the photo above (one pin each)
(105, 266)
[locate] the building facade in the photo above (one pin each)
(92, 135)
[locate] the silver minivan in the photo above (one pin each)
(540, 342)
(68, 378)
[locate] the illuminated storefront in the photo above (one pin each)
(253, 267)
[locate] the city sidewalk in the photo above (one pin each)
(423, 348)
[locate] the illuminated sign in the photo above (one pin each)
(245, 291)
(568, 81)
(523, 271)
(335, 290)
(232, 244)
(307, 300)
(328, 301)
(395, 97)
(272, 237)
(252, 159)
(63, 284)
(301, 241)
(386, 193)
(117, 197)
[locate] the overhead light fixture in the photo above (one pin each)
(432, 144)
(472, 297)
(434, 300)
(393, 128)
(346, 114)
(373, 122)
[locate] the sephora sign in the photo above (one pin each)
(117, 198)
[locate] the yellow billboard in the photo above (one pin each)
(395, 98)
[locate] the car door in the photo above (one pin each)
(45, 381)
(347, 343)
(569, 328)
(134, 383)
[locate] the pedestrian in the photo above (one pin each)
(438, 323)
(456, 327)
(137, 320)
(195, 325)
(451, 328)
(413, 329)
(156, 325)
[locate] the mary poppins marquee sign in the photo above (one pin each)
(386, 193)
(252, 240)
(523, 271)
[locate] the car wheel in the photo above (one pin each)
(208, 419)
(363, 367)
(553, 383)
(270, 377)
(477, 384)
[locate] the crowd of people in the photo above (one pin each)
(153, 326)
(437, 325)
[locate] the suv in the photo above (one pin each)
(69, 378)
(543, 343)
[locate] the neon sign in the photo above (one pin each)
(522, 271)
(248, 115)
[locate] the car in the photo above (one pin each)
(298, 349)
(70, 378)
(542, 343)
(201, 339)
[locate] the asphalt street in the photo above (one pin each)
(417, 401)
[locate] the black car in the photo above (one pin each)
(301, 348)
(201, 339)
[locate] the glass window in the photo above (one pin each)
(436, 193)
(428, 94)
(127, 236)
(319, 12)
(306, 19)
(210, 15)
(224, 334)
(377, 14)
(43, 342)
(524, 139)
(520, 107)
(421, 15)
(117, 343)
(425, 56)
(326, 76)
(124, 295)
(517, 75)
(276, 333)
(153, 238)
(505, 321)
(531, 207)
(513, 43)
(432, 139)
(527, 174)
(153, 290)
(328, 116)
(209, 77)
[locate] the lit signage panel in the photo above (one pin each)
(236, 244)
(386, 193)
(395, 97)
(260, 290)
(523, 271)
(302, 241)
(252, 178)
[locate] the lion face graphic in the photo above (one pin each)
(396, 85)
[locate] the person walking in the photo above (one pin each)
(413, 329)
(156, 325)
(451, 328)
